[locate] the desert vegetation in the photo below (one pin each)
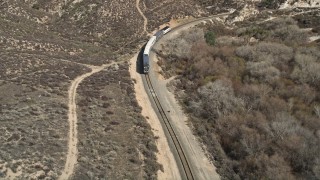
(44, 46)
(271, 4)
(253, 98)
(160, 12)
(114, 139)
(33, 114)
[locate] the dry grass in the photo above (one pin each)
(115, 140)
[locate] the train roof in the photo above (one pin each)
(165, 28)
(158, 33)
(149, 45)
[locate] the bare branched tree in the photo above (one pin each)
(317, 110)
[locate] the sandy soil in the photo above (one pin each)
(300, 3)
(10, 174)
(72, 118)
(164, 156)
(313, 38)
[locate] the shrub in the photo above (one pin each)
(274, 52)
(256, 105)
(263, 166)
(36, 6)
(263, 71)
(180, 47)
(210, 38)
(307, 69)
(268, 3)
(218, 98)
(193, 36)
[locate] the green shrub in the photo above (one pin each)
(210, 38)
(267, 3)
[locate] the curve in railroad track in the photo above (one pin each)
(187, 170)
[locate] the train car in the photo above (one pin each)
(146, 52)
(166, 29)
(147, 49)
(159, 34)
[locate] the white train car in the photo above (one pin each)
(147, 49)
(149, 45)
(146, 52)
(166, 29)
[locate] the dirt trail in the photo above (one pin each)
(164, 156)
(145, 20)
(72, 118)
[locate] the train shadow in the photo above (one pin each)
(139, 61)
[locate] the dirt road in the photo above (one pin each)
(72, 118)
(145, 20)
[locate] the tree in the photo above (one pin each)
(317, 110)
(210, 38)
(218, 98)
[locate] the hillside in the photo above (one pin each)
(46, 45)
(251, 89)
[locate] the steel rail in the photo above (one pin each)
(177, 145)
(182, 156)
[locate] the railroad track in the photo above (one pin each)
(185, 165)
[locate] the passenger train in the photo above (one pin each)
(147, 49)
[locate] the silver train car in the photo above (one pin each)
(146, 52)
(147, 49)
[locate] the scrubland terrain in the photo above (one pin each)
(46, 44)
(35, 75)
(113, 141)
(159, 12)
(252, 93)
